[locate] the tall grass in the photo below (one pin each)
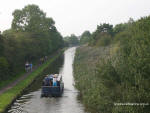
(86, 79)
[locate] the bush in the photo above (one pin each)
(131, 67)
(104, 40)
(4, 68)
(122, 77)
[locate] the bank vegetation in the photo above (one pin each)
(32, 36)
(113, 68)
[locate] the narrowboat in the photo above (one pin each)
(52, 86)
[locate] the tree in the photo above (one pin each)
(71, 40)
(1, 45)
(31, 19)
(119, 28)
(4, 68)
(105, 28)
(102, 31)
(85, 37)
(32, 36)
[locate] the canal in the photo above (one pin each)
(31, 102)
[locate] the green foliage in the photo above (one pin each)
(102, 31)
(31, 19)
(105, 40)
(131, 65)
(32, 36)
(119, 28)
(4, 68)
(105, 28)
(92, 91)
(107, 31)
(11, 79)
(71, 40)
(121, 77)
(8, 96)
(85, 37)
(1, 45)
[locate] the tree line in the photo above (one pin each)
(32, 36)
(104, 34)
(71, 40)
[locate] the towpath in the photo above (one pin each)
(11, 85)
(22, 77)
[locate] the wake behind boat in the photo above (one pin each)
(52, 85)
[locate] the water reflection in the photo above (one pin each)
(68, 103)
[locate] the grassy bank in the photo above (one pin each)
(87, 82)
(7, 98)
(118, 82)
(103, 79)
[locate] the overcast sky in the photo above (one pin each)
(76, 16)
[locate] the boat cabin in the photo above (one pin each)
(52, 85)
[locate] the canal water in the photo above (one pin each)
(31, 102)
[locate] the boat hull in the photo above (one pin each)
(55, 91)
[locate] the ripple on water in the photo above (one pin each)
(68, 103)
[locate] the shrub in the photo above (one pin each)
(4, 68)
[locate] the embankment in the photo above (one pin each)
(85, 74)
(111, 80)
(9, 96)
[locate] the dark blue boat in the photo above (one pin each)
(49, 88)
